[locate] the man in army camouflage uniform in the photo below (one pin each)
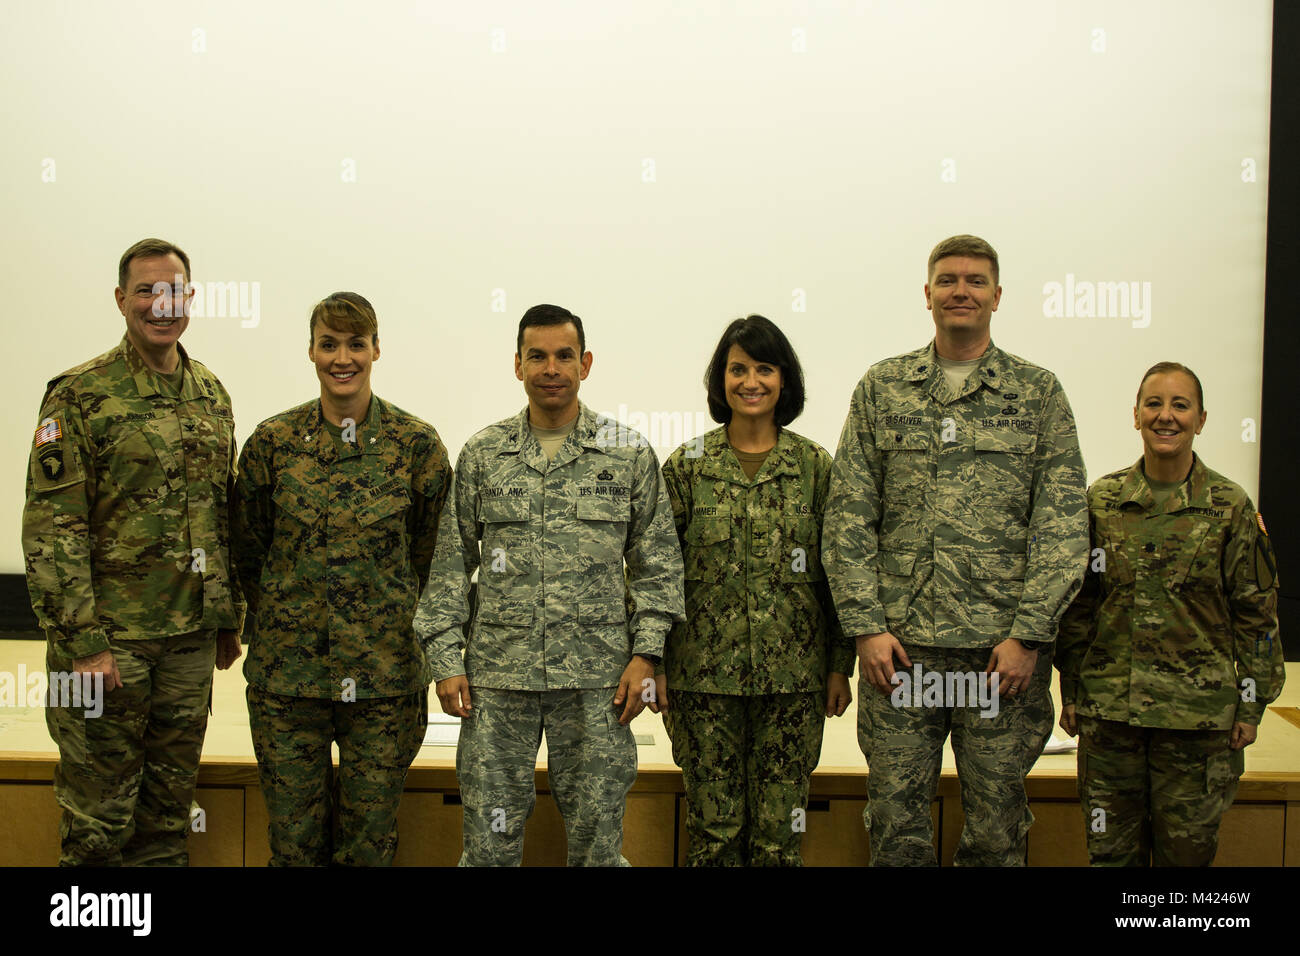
(550, 504)
(338, 505)
(127, 549)
(955, 537)
(1171, 652)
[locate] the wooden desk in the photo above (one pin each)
(1255, 831)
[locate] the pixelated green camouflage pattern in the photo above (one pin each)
(590, 761)
(317, 816)
(759, 615)
(904, 751)
(1161, 793)
(956, 517)
(125, 780)
(1184, 613)
(747, 764)
(549, 540)
(140, 479)
(333, 541)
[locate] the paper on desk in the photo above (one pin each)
(1057, 746)
(443, 731)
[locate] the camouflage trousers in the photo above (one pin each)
(1152, 796)
(994, 753)
(126, 778)
(591, 763)
(746, 763)
(314, 817)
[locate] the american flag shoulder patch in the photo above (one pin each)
(49, 430)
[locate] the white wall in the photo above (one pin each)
(1104, 140)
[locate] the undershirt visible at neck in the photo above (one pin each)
(552, 438)
(750, 461)
(957, 371)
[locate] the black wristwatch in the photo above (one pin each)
(654, 659)
(1031, 645)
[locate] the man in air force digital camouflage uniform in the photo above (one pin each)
(126, 539)
(955, 537)
(550, 504)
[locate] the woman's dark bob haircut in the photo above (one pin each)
(764, 342)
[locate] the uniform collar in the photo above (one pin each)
(369, 433)
(1192, 493)
(719, 459)
(924, 367)
(590, 432)
(147, 381)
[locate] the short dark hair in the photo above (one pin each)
(550, 315)
(763, 341)
(972, 247)
(147, 249)
(347, 312)
(1161, 368)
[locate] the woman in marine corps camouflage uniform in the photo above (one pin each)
(336, 517)
(1170, 653)
(760, 660)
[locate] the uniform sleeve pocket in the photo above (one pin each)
(896, 562)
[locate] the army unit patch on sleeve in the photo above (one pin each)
(54, 464)
(1259, 520)
(49, 447)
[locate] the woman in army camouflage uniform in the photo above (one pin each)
(760, 661)
(337, 509)
(1170, 653)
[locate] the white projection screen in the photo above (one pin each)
(657, 168)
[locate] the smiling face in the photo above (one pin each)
(752, 387)
(1168, 415)
(962, 296)
(155, 303)
(550, 365)
(343, 361)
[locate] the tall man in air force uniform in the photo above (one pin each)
(550, 504)
(127, 547)
(957, 535)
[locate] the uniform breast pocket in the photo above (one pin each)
(506, 547)
(602, 527)
(706, 553)
(1196, 564)
(800, 550)
(382, 518)
(1114, 566)
(907, 463)
(297, 505)
(142, 466)
(997, 580)
(1004, 468)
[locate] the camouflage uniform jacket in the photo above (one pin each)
(126, 530)
(759, 617)
(333, 541)
(1179, 607)
(957, 518)
(549, 540)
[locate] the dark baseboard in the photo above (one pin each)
(16, 608)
